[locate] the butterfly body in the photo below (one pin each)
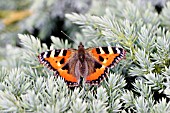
(91, 64)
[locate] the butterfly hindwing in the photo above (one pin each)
(97, 75)
(57, 60)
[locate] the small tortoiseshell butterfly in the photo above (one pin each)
(92, 63)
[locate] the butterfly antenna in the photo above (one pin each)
(68, 37)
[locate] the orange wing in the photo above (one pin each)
(104, 58)
(57, 60)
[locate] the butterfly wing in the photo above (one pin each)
(58, 61)
(102, 58)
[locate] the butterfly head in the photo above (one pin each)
(81, 52)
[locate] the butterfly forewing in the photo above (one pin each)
(108, 56)
(104, 57)
(58, 60)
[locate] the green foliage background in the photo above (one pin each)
(141, 83)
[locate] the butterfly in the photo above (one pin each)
(92, 64)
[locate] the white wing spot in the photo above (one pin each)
(101, 50)
(61, 53)
(45, 55)
(110, 50)
(104, 61)
(118, 51)
(52, 53)
(103, 66)
(58, 64)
